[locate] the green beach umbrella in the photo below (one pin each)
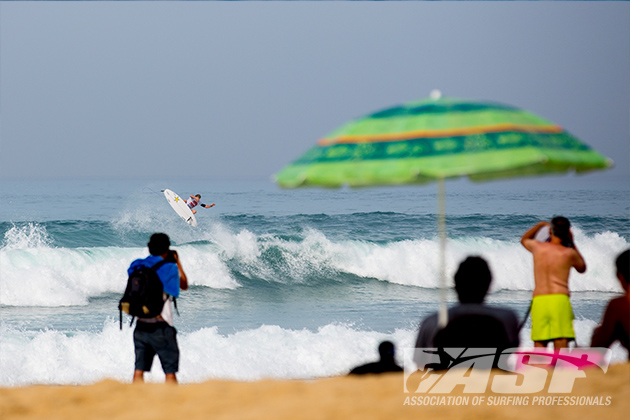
(437, 138)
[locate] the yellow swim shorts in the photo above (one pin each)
(552, 317)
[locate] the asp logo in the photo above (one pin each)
(524, 371)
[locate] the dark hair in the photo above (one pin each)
(159, 244)
(386, 350)
(472, 280)
(560, 227)
(198, 196)
(623, 265)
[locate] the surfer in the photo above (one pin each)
(552, 315)
(193, 201)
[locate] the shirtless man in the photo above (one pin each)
(552, 315)
(615, 324)
(194, 200)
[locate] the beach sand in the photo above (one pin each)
(365, 397)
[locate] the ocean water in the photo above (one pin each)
(284, 283)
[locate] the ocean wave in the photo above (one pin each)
(56, 358)
(26, 236)
(35, 272)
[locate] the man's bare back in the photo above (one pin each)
(552, 262)
(552, 265)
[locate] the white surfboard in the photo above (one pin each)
(180, 207)
(542, 235)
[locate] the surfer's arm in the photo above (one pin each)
(528, 238)
(207, 206)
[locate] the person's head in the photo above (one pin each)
(386, 350)
(198, 196)
(159, 244)
(623, 267)
(472, 280)
(561, 229)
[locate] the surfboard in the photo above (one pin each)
(180, 207)
(542, 235)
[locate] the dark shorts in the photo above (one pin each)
(151, 339)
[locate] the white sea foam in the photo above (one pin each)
(46, 276)
(34, 273)
(52, 357)
(29, 236)
(416, 262)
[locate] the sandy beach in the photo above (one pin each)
(362, 397)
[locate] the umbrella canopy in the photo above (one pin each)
(435, 139)
(438, 138)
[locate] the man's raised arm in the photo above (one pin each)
(528, 237)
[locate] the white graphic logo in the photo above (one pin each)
(435, 371)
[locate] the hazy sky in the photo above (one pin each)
(229, 90)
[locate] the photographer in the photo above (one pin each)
(157, 335)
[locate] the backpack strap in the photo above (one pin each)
(175, 305)
(158, 264)
(132, 319)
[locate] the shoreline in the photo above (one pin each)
(599, 395)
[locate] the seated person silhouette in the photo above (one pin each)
(386, 364)
(471, 323)
(615, 325)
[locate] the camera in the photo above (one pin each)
(172, 256)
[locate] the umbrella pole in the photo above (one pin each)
(442, 312)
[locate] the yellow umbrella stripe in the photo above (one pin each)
(452, 132)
